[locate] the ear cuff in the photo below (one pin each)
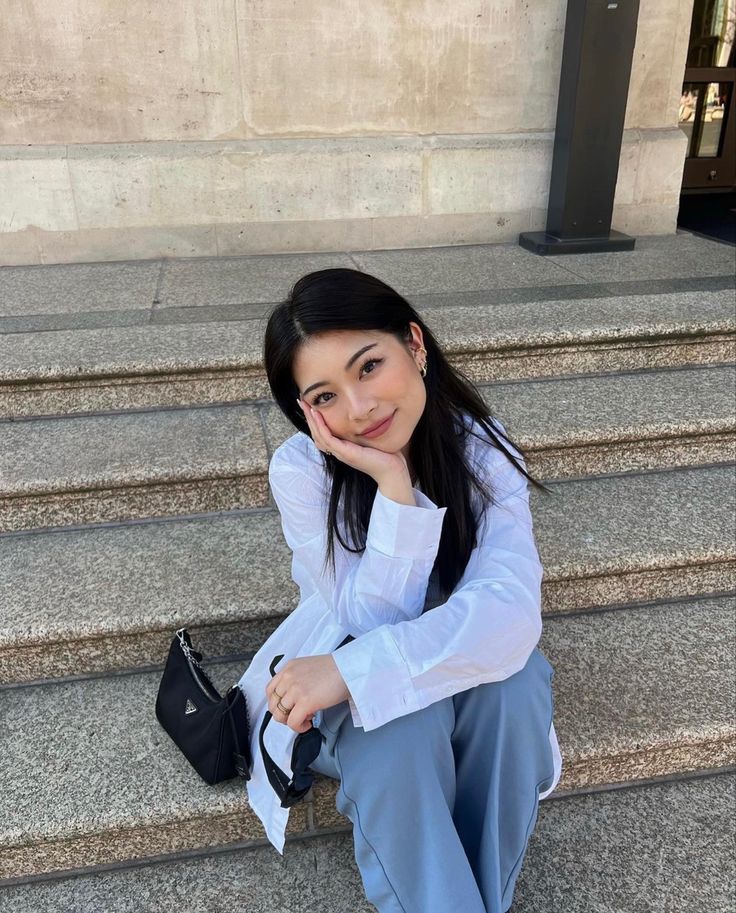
(423, 367)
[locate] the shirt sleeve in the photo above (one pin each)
(485, 631)
(384, 584)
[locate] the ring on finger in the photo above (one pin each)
(286, 710)
(279, 696)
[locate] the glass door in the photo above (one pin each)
(707, 112)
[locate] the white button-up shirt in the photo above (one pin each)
(402, 659)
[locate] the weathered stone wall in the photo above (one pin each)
(208, 127)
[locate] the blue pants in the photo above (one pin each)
(443, 801)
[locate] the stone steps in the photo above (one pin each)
(87, 469)
(122, 525)
(622, 850)
(89, 777)
(106, 598)
(132, 367)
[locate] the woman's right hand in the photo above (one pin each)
(381, 466)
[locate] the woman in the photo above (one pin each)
(413, 647)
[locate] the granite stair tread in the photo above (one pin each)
(124, 366)
(111, 351)
(49, 456)
(602, 541)
(579, 848)
(606, 408)
(77, 469)
(640, 692)
(201, 283)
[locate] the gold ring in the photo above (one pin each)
(279, 696)
(280, 706)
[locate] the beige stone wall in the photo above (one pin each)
(209, 127)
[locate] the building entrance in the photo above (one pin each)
(708, 104)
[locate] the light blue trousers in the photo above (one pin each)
(443, 800)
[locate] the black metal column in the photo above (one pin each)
(594, 86)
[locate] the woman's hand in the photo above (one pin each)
(306, 684)
(380, 466)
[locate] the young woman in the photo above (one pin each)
(413, 649)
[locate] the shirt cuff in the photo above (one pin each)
(377, 678)
(403, 530)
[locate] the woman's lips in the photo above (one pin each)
(382, 428)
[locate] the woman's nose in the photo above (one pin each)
(360, 408)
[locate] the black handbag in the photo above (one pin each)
(212, 731)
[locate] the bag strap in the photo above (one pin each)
(276, 775)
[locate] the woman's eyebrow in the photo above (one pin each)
(351, 362)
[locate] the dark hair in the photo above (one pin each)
(348, 299)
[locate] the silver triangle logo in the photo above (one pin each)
(190, 707)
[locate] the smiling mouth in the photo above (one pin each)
(379, 429)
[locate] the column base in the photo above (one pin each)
(540, 242)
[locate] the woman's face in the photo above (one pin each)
(358, 378)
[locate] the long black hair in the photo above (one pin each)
(348, 299)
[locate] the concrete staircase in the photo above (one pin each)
(135, 435)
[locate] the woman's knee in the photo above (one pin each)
(526, 691)
(536, 673)
(415, 741)
(412, 730)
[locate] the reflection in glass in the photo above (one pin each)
(702, 116)
(712, 34)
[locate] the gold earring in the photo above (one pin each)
(423, 368)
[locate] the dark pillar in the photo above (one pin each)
(594, 86)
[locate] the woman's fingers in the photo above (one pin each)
(370, 460)
(329, 440)
(303, 686)
(320, 432)
(306, 409)
(277, 693)
(278, 696)
(292, 717)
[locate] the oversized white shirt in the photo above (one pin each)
(401, 660)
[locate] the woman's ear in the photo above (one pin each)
(415, 339)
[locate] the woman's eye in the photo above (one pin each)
(372, 361)
(318, 401)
